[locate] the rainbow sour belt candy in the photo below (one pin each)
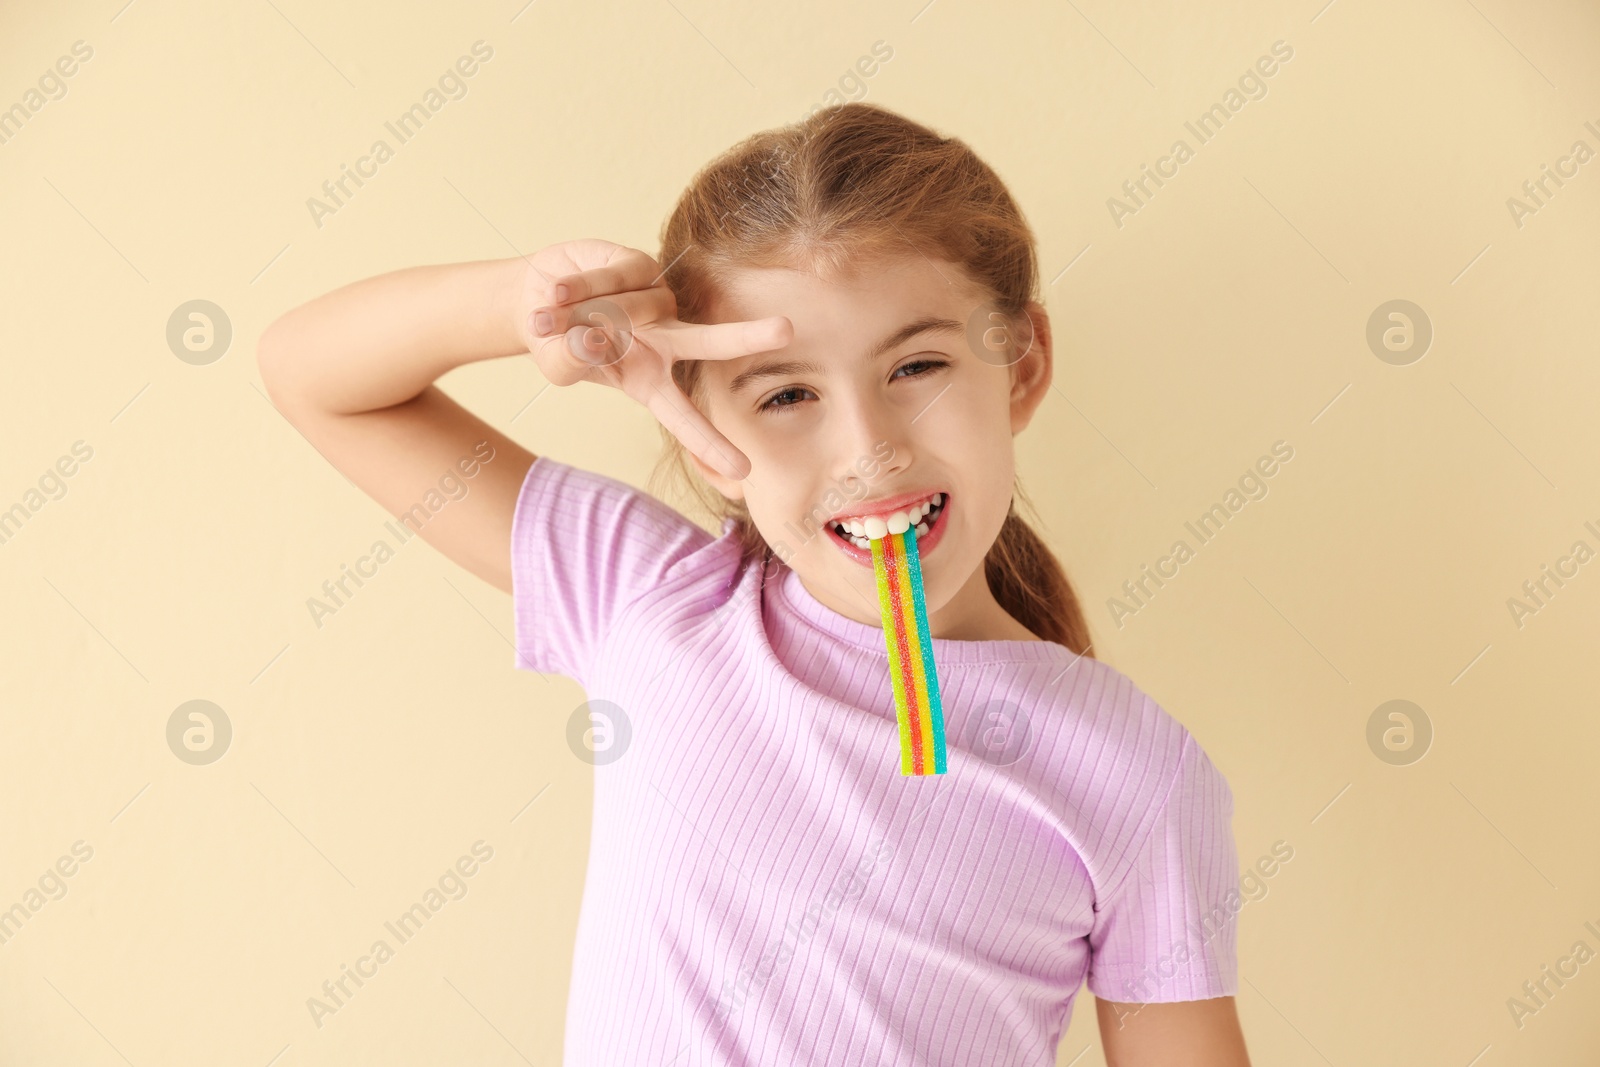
(898, 569)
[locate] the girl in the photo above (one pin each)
(842, 324)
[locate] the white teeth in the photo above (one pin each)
(863, 531)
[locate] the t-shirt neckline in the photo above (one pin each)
(794, 595)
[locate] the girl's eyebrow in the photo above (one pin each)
(771, 369)
(782, 367)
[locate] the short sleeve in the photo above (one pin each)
(1168, 931)
(584, 547)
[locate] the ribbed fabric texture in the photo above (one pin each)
(766, 887)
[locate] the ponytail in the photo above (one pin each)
(1027, 580)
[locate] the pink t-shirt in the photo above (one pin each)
(766, 887)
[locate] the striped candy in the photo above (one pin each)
(898, 569)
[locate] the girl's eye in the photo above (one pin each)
(927, 364)
(778, 401)
(772, 403)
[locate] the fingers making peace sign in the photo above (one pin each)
(595, 311)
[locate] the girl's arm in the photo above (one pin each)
(1195, 1033)
(353, 371)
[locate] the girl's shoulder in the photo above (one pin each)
(586, 548)
(1122, 752)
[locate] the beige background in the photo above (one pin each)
(1228, 313)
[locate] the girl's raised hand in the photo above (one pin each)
(594, 311)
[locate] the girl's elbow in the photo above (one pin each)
(275, 358)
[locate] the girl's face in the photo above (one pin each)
(898, 385)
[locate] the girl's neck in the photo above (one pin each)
(973, 614)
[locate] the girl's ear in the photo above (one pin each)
(720, 482)
(1030, 375)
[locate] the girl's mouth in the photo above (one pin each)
(929, 532)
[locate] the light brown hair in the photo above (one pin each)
(844, 185)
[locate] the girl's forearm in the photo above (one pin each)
(381, 341)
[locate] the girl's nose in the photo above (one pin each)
(875, 442)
